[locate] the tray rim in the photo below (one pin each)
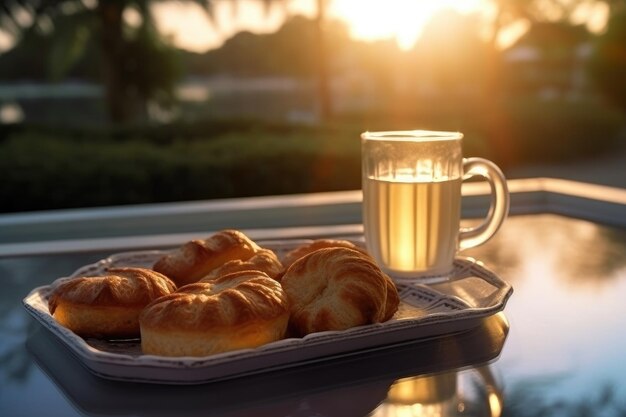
(97, 361)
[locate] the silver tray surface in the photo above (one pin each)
(471, 294)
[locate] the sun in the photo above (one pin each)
(402, 20)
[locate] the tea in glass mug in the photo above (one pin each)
(412, 200)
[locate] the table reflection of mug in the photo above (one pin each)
(471, 392)
(412, 200)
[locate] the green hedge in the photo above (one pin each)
(555, 131)
(47, 167)
(45, 172)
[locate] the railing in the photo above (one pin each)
(273, 217)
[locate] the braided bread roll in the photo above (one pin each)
(303, 250)
(197, 258)
(107, 306)
(336, 289)
(240, 310)
(263, 260)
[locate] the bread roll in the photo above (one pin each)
(236, 311)
(107, 306)
(197, 258)
(303, 250)
(263, 260)
(336, 289)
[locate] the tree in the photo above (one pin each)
(450, 41)
(608, 62)
(321, 56)
(506, 13)
(325, 109)
(137, 65)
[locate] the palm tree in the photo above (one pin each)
(129, 80)
(136, 66)
(324, 92)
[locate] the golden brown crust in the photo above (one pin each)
(264, 260)
(335, 289)
(195, 259)
(108, 305)
(239, 310)
(303, 250)
(393, 299)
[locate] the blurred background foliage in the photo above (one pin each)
(99, 107)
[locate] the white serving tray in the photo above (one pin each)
(472, 293)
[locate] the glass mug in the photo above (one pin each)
(412, 201)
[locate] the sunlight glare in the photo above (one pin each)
(7, 41)
(594, 16)
(495, 404)
(402, 20)
(189, 26)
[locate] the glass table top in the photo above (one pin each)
(556, 350)
(566, 348)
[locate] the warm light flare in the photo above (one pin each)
(402, 20)
(495, 404)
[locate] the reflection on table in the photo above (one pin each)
(566, 350)
(472, 392)
(353, 385)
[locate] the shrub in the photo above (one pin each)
(555, 131)
(47, 172)
(45, 167)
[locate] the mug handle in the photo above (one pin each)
(499, 208)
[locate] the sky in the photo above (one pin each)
(189, 27)
(402, 20)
